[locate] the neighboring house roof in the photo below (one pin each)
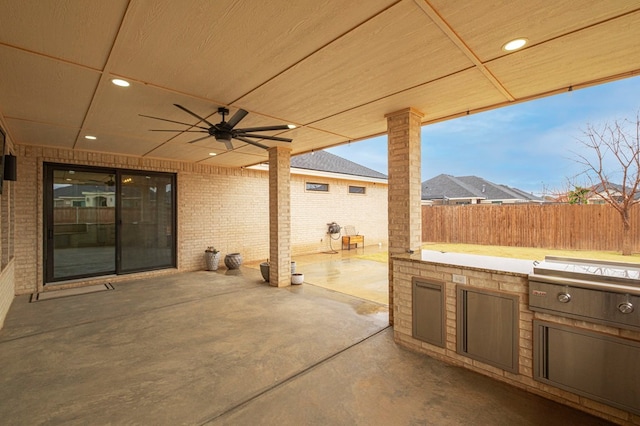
(79, 190)
(326, 162)
(446, 186)
(470, 187)
(616, 190)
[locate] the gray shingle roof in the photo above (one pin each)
(78, 190)
(326, 162)
(447, 186)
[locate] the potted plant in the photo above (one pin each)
(212, 256)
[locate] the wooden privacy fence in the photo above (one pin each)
(84, 215)
(555, 226)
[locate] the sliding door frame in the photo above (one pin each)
(48, 219)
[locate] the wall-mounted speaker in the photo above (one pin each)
(10, 167)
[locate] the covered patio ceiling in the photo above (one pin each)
(332, 68)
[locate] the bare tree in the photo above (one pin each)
(617, 158)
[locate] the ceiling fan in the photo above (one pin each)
(225, 130)
(108, 182)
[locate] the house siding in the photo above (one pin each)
(311, 211)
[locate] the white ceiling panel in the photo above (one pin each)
(119, 143)
(576, 58)
(118, 109)
(401, 42)
(34, 133)
(221, 50)
(333, 67)
(485, 26)
(81, 32)
(186, 151)
(437, 100)
(306, 139)
(237, 159)
(37, 88)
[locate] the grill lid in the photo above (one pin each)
(589, 270)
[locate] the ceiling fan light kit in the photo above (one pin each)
(225, 131)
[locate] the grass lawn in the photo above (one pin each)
(527, 253)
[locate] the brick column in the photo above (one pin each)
(405, 219)
(279, 216)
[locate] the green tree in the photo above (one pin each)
(578, 195)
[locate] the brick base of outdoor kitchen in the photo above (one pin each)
(491, 284)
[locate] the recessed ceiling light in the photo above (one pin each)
(92, 138)
(291, 126)
(514, 44)
(212, 154)
(120, 82)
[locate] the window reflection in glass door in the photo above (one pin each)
(107, 221)
(81, 237)
(146, 222)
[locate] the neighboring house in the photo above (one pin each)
(327, 188)
(447, 189)
(84, 196)
(598, 195)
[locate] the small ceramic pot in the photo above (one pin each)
(213, 259)
(297, 279)
(233, 260)
(264, 270)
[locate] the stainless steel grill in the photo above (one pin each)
(601, 292)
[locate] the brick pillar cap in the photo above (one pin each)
(404, 111)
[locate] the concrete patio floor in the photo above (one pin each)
(224, 348)
(346, 271)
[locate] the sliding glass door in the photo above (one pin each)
(81, 218)
(146, 222)
(107, 221)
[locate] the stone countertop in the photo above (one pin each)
(473, 261)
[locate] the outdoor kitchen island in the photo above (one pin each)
(474, 311)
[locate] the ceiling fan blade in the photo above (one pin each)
(229, 145)
(195, 115)
(249, 141)
(162, 130)
(199, 139)
(239, 115)
(271, 138)
(172, 121)
(264, 128)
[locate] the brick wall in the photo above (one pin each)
(311, 211)
(404, 270)
(227, 208)
(28, 224)
(7, 242)
(6, 290)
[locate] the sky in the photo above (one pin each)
(532, 146)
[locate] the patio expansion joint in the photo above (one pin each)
(363, 299)
(292, 377)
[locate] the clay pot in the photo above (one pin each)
(233, 260)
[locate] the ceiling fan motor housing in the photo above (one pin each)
(222, 135)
